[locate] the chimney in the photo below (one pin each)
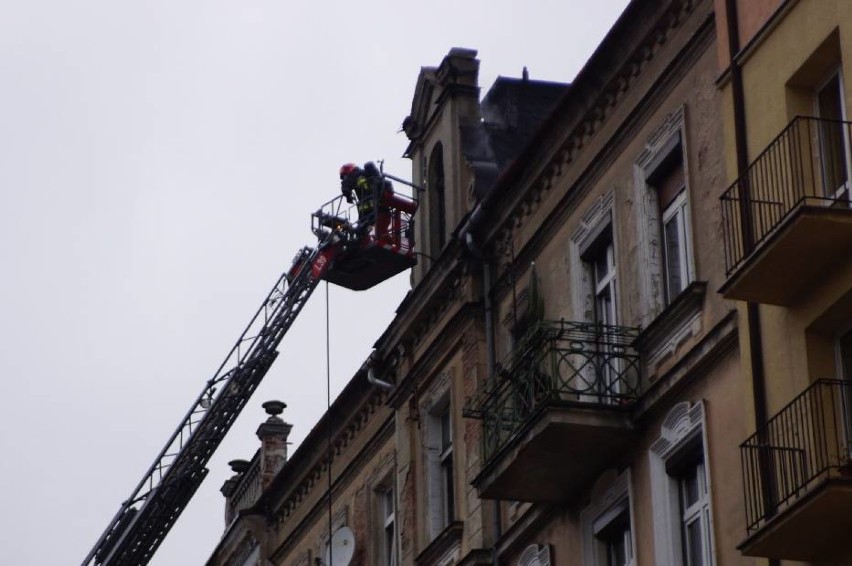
(273, 442)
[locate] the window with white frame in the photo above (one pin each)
(440, 476)
(695, 513)
(606, 524)
(680, 489)
(387, 520)
(844, 362)
(668, 180)
(601, 264)
(834, 140)
(618, 541)
(446, 466)
(592, 263)
(665, 232)
(595, 296)
(675, 232)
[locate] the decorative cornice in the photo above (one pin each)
(319, 471)
(443, 346)
(597, 113)
(279, 519)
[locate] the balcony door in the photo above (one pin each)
(607, 367)
(844, 355)
(834, 142)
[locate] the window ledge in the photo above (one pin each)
(477, 557)
(444, 548)
(672, 327)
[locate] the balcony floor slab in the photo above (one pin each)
(809, 243)
(559, 452)
(811, 529)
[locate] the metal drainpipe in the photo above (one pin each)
(758, 376)
(497, 523)
(489, 345)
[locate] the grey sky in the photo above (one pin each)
(159, 161)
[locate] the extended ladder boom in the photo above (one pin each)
(148, 514)
(356, 250)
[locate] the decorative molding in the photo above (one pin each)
(437, 392)
(244, 550)
(681, 424)
(678, 322)
(684, 425)
(339, 520)
(445, 549)
(651, 285)
(611, 496)
(704, 355)
(342, 440)
(610, 96)
(535, 555)
(599, 215)
(534, 518)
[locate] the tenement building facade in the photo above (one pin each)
(787, 231)
(629, 328)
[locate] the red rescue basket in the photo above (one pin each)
(359, 250)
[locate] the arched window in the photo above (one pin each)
(437, 204)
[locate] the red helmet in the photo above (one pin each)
(346, 169)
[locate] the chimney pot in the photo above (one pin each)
(239, 466)
(274, 408)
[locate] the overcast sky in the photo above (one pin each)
(159, 161)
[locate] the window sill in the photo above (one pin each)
(444, 548)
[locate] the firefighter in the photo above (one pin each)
(365, 186)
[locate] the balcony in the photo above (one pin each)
(787, 222)
(557, 412)
(797, 477)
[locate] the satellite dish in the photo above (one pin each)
(342, 548)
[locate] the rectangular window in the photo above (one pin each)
(833, 138)
(844, 354)
(616, 542)
(675, 246)
(446, 467)
(602, 263)
(680, 489)
(439, 471)
(604, 373)
(669, 182)
(606, 526)
(387, 550)
(695, 514)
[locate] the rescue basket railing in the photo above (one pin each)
(557, 363)
(383, 216)
(808, 163)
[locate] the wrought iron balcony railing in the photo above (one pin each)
(807, 442)
(557, 363)
(808, 163)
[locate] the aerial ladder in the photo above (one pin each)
(356, 250)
